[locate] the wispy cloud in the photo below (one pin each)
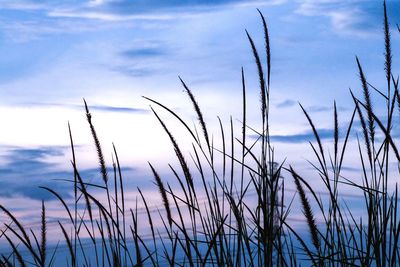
(33, 28)
(25, 169)
(136, 71)
(319, 109)
(327, 134)
(102, 15)
(129, 10)
(302, 137)
(104, 108)
(322, 108)
(286, 103)
(142, 59)
(314, 108)
(127, 7)
(145, 52)
(358, 17)
(118, 109)
(22, 5)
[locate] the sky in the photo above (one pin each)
(113, 52)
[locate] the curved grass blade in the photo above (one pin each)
(100, 156)
(163, 193)
(198, 112)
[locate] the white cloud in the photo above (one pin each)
(96, 15)
(258, 3)
(95, 3)
(21, 5)
(345, 17)
(23, 31)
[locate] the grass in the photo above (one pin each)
(234, 212)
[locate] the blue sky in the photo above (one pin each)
(112, 52)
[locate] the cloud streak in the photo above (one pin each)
(104, 108)
(25, 169)
(286, 103)
(116, 109)
(301, 137)
(146, 52)
(124, 10)
(127, 7)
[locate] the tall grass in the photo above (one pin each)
(233, 212)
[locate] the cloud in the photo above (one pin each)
(43, 18)
(132, 7)
(315, 108)
(22, 5)
(286, 103)
(145, 52)
(142, 60)
(148, 10)
(359, 17)
(351, 169)
(104, 108)
(136, 71)
(25, 169)
(319, 109)
(101, 15)
(38, 26)
(118, 109)
(324, 134)
(343, 16)
(129, 6)
(301, 137)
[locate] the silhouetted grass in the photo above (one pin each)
(219, 216)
